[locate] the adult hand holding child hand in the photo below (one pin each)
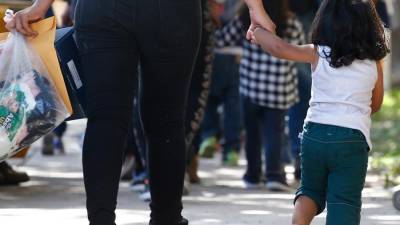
(259, 19)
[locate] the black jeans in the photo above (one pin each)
(113, 35)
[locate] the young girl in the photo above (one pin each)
(268, 88)
(348, 45)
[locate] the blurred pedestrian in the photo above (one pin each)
(199, 89)
(381, 8)
(224, 92)
(67, 16)
(268, 87)
(9, 176)
(53, 141)
(305, 11)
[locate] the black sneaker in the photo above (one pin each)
(182, 222)
(2, 178)
(10, 176)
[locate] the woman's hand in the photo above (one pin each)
(259, 18)
(21, 20)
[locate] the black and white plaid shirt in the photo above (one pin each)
(268, 81)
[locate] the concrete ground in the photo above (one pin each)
(55, 195)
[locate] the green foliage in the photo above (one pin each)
(386, 136)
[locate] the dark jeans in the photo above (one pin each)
(263, 126)
(334, 162)
(224, 91)
(60, 130)
(112, 36)
(298, 112)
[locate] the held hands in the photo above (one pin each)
(21, 20)
(259, 19)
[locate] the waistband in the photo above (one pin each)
(331, 133)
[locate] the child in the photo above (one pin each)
(268, 88)
(348, 45)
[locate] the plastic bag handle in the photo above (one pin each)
(8, 16)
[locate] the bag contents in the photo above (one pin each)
(30, 106)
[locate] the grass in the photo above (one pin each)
(386, 138)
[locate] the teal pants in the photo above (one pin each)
(334, 164)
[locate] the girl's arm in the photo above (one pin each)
(22, 19)
(279, 48)
(378, 93)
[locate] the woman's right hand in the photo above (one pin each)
(21, 20)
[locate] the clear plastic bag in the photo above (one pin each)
(30, 106)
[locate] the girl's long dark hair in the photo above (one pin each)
(352, 29)
(278, 10)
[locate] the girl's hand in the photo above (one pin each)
(21, 20)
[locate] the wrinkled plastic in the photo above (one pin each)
(30, 106)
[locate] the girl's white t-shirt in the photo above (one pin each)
(343, 96)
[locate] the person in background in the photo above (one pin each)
(381, 8)
(53, 141)
(199, 90)
(67, 17)
(9, 176)
(305, 11)
(225, 92)
(268, 87)
(136, 141)
(230, 8)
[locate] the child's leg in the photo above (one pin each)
(311, 195)
(345, 184)
(304, 211)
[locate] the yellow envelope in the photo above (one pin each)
(43, 44)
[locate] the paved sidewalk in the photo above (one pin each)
(55, 196)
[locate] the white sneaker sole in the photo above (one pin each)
(251, 186)
(145, 196)
(277, 186)
(138, 188)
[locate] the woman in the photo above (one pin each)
(112, 36)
